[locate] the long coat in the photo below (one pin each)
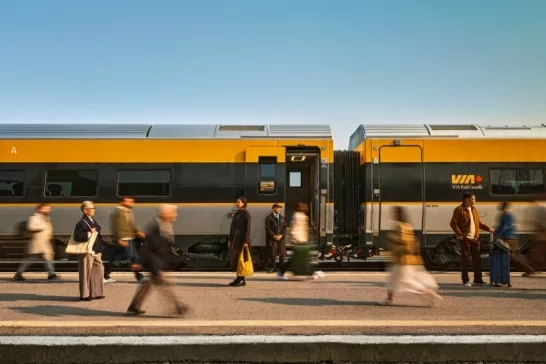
(272, 228)
(239, 232)
(42, 232)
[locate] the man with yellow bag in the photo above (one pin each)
(239, 242)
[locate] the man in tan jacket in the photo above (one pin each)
(125, 231)
(466, 225)
(39, 247)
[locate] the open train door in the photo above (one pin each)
(395, 161)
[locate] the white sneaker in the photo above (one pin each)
(467, 284)
(109, 280)
(318, 275)
(281, 276)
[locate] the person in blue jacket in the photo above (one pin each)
(506, 231)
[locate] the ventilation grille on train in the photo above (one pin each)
(241, 128)
(452, 127)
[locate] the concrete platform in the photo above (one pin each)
(340, 304)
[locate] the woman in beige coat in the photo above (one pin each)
(407, 272)
(39, 247)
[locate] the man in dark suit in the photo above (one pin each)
(275, 232)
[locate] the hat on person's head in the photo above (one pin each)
(276, 205)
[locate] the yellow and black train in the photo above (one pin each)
(204, 168)
(201, 168)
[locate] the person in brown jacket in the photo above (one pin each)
(466, 225)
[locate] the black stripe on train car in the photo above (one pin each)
(402, 182)
(190, 182)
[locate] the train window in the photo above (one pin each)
(12, 183)
(516, 181)
(294, 179)
(71, 183)
(144, 183)
(267, 167)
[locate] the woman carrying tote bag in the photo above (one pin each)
(87, 243)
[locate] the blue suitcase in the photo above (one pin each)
(499, 268)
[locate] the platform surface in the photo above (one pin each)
(340, 304)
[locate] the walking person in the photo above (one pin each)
(537, 244)
(90, 267)
(275, 231)
(39, 245)
(466, 225)
(407, 272)
(125, 232)
(154, 258)
(299, 237)
(506, 231)
(239, 237)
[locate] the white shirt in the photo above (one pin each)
(472, 233)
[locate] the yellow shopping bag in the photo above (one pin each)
(245, 267)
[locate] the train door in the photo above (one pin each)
(264, 185)
(303, 169)
(400, 184)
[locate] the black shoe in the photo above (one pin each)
(181, 310)
(85, 298)
(53, 276)
(479, 283)
(135, 311)
(238, 283)
(98, 298)
(18, 278)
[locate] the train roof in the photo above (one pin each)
(174, 131)
(370, 131)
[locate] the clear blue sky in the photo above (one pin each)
(279, 61)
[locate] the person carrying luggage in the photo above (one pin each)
(506, 232)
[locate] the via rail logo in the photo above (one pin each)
(466, 182)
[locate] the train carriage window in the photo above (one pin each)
(294, 179)
(71, 183)
(516, 181)
(267, 167)
(12, 183)
(144, 183)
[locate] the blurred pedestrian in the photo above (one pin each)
(407, 272)
(506, 232)
(125, 231)
(39, 246)
(154, 258)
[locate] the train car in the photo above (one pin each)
(427, 168)
(201, 168)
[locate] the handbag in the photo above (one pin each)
(81, 247)
(245, 267)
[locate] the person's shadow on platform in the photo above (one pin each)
(12, 297)
(63, 311)
(316, 302)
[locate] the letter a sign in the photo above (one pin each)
(13, 150)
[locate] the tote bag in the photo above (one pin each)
(245, 267)
(83, 247)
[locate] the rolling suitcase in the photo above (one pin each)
(499, 268)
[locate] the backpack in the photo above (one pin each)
(22, 229)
